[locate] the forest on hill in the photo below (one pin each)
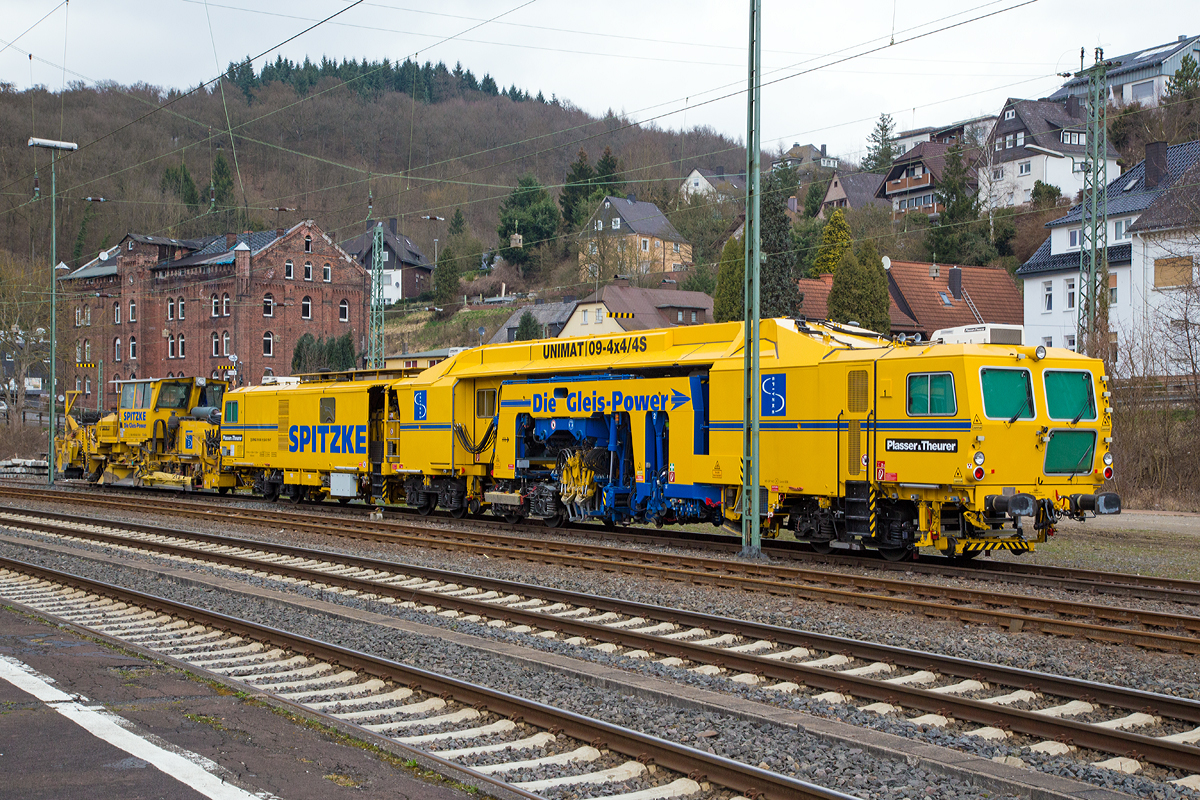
(314, 140)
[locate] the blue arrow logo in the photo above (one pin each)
(678, 398)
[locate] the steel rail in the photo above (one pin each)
(748, 780)
(1143, 587)
(1032, 723)
(704, 570)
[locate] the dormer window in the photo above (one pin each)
(1010, 114)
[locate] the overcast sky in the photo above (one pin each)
(651, 60)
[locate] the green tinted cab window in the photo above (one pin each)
(1070, 452)
(1007, 393)
(1069, 394)
(931, 394)
(231, 411)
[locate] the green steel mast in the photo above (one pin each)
(752, 380)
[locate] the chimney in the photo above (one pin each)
(793, 204)
(241, 260)
(1156, 164)
(631, 197)
(822, 151)
(620, 280)
(230, 240)
(720, 172)
(1073, 106)
(933, 270)
(392, 225)
(371, 223)
(279, 232)
(956, 282)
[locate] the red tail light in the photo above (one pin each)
(977, 473)
(1108, 473)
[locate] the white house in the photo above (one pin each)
(1142, 75)
(1036, 140)
(1153, 219)
(714, 183)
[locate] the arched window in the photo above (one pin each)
(78, 316)
(79, 351)
(170, 308)
(216, 306)
(179, 349)
(225, 305)
(216, 342)
(133, 347)
(170, 348)
(268, 344)
(287, 269)
(133, 310)
(344, 311)
(87, 349)
(225, 343)
(327, 273)
(179, 307)
(308, 270)
(308, 244)
(116, 383)
(78, 383)
(133, 376)
(306, 308)
(87, 385)
(117, 313)
(268, 305)
(87, 315)
(117, 349)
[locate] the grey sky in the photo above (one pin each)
(642, 59)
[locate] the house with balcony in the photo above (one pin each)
(975, 129)
(1036, 140)
(1153, 231)
(911, 184)
(1141, 76)
(407, 273)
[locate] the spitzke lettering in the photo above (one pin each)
(343, 439)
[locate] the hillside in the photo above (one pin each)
(309, 141)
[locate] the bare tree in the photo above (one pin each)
(24, 327)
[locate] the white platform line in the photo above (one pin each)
(186, 767)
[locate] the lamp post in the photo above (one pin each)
(51, 144)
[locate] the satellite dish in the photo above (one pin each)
(104, 255)
(887, 263)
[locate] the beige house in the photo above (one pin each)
(631, 238)
(620, 308)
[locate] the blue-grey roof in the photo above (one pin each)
(97, 267)
(255, 240)
(1128, 194)
(545, 314)
(645, 218)
(1150, 57)
(1042, 261)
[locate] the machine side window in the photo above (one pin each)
(231, 411)
(485, 403)
(128, 394)
(1069, 394)
(173, 395)
(1007, 393)
(328, 409)
(931, 394)
(144, 392)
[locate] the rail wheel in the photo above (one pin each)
(966, 555)
(896, 553)
(553, 522)
(610, 524)
(426, 508)
(296, 493)
(821, 548)
(222, 490)
(458, 513)
(512, 519)
(343, 500)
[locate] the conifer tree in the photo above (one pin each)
(445, 282)
(576, 188)
(814, 197)
(859, 292)
(728, 299)
(607, 170)
(458, 223)
(835, 241)
(530, 211)
(950, 240)
(881, 146)
(779, 294)
(528, 328)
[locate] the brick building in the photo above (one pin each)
(159, 307)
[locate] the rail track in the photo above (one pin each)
(1092, 582)
(1171, 632)
(458, 724)
(926, 688)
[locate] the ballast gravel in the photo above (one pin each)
(796, 753)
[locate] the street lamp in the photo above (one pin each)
(51, 144)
